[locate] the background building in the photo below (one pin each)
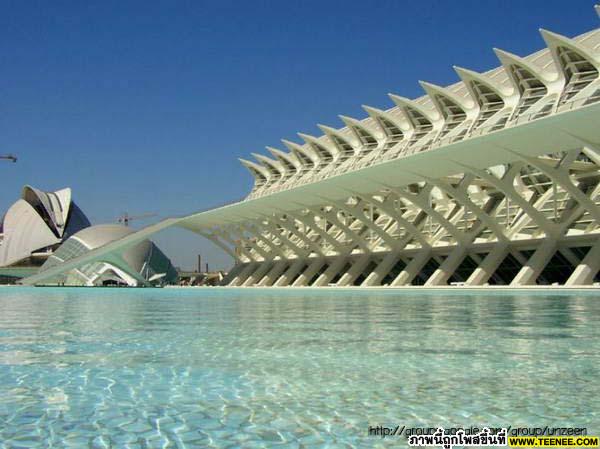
(142, 264)
(35, 225)
(44, 229)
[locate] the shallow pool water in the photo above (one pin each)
(194, 368)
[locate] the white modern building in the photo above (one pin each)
(36, 224)
(44, 229)
(491, 180)
(142, 264)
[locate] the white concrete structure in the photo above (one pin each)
(494, 179)
(142, 264)
(36, 224)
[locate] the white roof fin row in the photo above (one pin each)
(546, 70)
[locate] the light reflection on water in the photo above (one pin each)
(288, 368)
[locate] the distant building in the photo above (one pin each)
(141, 264)
(36, 225)
(44, 229)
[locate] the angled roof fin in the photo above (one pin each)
(389, 124)
(412, 108)
(289, 160)
(469, 76)
(273, 166)
(344, 144)
(324, 152)
(363, 133)
(508, 59)
(434, 91)
(305, 155)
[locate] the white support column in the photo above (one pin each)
(359, 215)
(350, 233)
(489, 265)
(216, 240)
(408, 226)
(336, 266)
(568, 254)
(312, 246)
(413, 268)
(233, 274)
(262, 269)
(528, 274)
(274, 248)
(576, 212)
(550, 228)
(355, 270)
(590, 265)
(560, 176)
(274, 273)
(592, 153)
(288, 275)
(506, 186)
(246, 272)
(286, 241)
(379, 273)
(421, 201)
(239, 231)
(310, 222)
(308, 273)
(461, 197)
(448, 267)
(225, 235)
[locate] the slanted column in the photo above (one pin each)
(258, 274)
(225, 235)
(293, 270)
(489, 265)
(355, 270)
(413, 268)
(357, 239)
(246, 272)
(379, 273)
(273, 274)
(534, 266)
(335, 267)
(285, 241)
(308, 273)
(310, 245)
(560, 176)
(273, 249)
(448, 267)
(313, 225)
(590, 265)
(506, 186)
(359, 215)
(233, 274)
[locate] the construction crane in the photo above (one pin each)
(9, 157)
(126, 218)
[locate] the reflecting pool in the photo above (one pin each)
(297, 368)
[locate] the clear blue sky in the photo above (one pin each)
(146, 106)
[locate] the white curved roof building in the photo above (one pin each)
(36, 224)
(494, 179)
(142, 264)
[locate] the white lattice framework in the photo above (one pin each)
(494, 179)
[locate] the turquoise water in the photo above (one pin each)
(196, 368)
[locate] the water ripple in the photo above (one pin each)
(223, 368)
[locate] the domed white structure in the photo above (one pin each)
(141, 264)
(36, 224)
